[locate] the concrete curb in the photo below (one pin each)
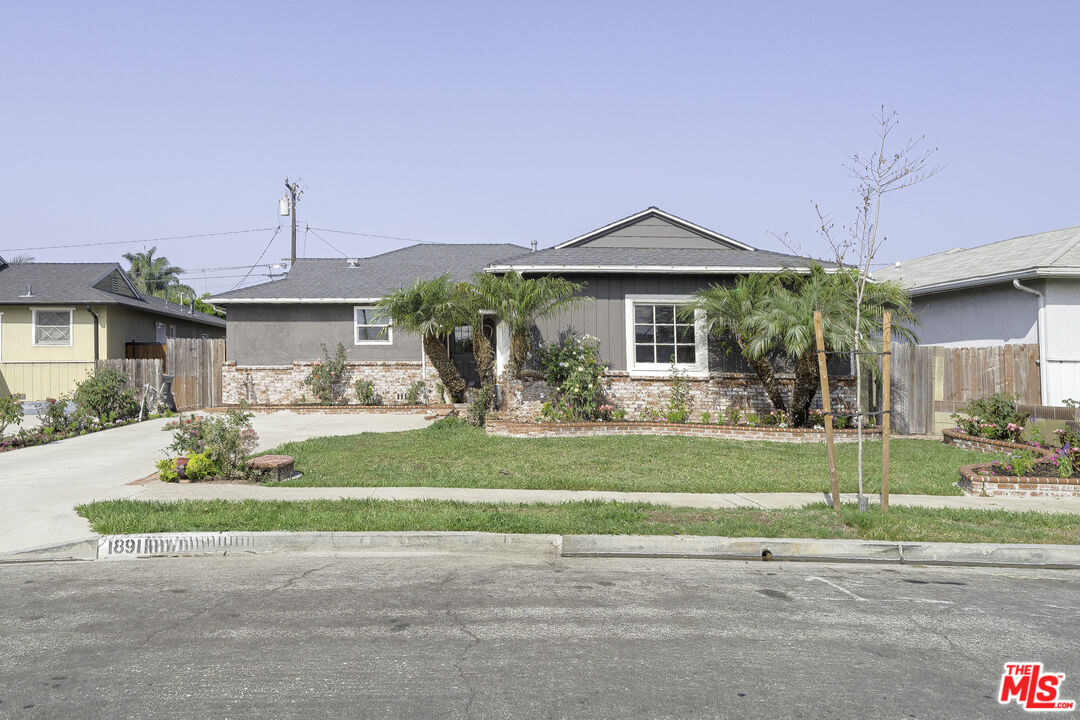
(126, 547)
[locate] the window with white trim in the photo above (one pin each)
(370, 329)
(659, 332)
(52, 327)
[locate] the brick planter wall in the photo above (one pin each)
(713, 394)
(987, 445)
(497, 424)
(977, 480)
(284, 384)
(344, 409)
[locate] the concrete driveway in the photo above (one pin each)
(40, 485)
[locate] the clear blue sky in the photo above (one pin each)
(514, 121)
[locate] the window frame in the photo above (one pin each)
(389, 325)
(34, 326)
(700, 366)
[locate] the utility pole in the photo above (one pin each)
(293, 193)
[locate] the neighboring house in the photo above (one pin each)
(638, 270)
(1022, 292)
(57, 319)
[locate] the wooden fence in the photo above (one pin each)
(930, 383)
(140, 373)
(195, 366)
(144, 351)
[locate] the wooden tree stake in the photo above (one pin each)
(826, 404)
(886, 416)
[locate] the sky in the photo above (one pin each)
(125, 122)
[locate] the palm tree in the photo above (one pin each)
(432, 309)
(519, 302)
(154, 275)
(775, 314)
(477, 311)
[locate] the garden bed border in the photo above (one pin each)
(337, 409)
(506, 427)
(978, 480)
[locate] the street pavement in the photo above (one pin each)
(468, 636)
(40, 485)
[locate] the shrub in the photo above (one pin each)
(11, 412)
(679, 403)
(167, 472)
(481, 403)
(572, 368)
(327, 376)
(226, 439)
(994, 416)
(200, 467)
(365, 392)
(417, 393)
(55, 417)
(102, 396)
(732, 414)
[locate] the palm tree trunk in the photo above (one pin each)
(435, 349)
(485, 358)
(519, 351)
(765, 374)
(807, 380)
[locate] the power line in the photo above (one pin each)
(135, 242)
(372, 235)
(257, 262)
(326, 241)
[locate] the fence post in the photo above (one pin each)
(826, 404)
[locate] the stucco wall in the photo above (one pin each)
(121, 325)
(976, 317)
(283, 334)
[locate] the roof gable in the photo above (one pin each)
(654, 228)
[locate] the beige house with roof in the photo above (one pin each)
(1022, 291)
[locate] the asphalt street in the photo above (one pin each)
(465, 636)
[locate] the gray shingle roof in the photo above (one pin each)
(1050, 253)
(376, 276)
(720, 259)
(73, 284)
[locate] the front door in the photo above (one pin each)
(461, 351)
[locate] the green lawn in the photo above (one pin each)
(814, 521)
(450, 454)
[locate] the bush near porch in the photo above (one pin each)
(452, 454)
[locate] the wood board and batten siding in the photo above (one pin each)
(930, 383)
(195, 366)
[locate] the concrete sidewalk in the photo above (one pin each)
(39, 486)
(195, 491)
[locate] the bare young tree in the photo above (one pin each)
(887, 169)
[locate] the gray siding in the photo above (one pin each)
(605, 317)
(979, 316)
(281, 334)
(652, 233)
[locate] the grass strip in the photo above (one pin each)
(450, 454)
(113, 517)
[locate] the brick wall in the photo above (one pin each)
(977, 480)
(497, 424)
(284, 384)
(713, 394)
(987, 445)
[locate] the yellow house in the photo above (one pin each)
(56, 319)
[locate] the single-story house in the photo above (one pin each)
(57, 319)
(636, 270)
(1019, 292)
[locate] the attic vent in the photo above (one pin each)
(29, 292)
(353, 262)
(117, 285)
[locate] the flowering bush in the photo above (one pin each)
(572, 368)
(11, 412)
(994, 417)
(227, 440)
(327, 376)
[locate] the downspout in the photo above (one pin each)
(95, 316)
(1043, 389)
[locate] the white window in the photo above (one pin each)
(52, 326)
(370, 329)
(658, 333)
